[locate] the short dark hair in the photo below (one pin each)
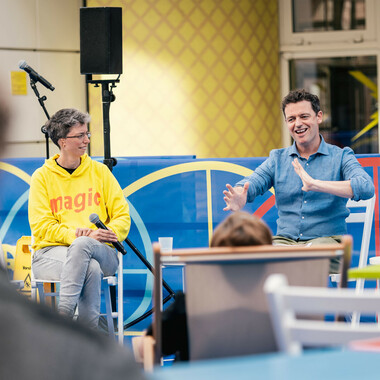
(299, 95)
(241, 229)
(59, 125)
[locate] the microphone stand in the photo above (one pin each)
(107, 98)
(165, 285)
(41, 100)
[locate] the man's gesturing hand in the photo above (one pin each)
(235, 197)
(307, 181)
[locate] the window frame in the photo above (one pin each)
(285, 75)
(332, 39)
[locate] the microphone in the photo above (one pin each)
(94, 218)
(34, 75)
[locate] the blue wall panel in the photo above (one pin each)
(180, 197)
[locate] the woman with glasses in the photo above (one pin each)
(64, 192)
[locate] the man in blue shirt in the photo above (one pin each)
(312, 179)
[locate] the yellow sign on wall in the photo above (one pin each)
(18, 83)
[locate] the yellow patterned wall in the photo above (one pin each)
(199, 77)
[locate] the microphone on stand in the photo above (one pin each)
(34, 75)
(94, 218)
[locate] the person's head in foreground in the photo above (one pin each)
(241, 229)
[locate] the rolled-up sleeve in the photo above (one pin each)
(362, 187)
(361, 183)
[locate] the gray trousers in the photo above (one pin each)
(80, 268)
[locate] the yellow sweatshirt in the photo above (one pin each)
(60, 202)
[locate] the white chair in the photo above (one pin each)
(375, 260)
(119, 314)
(365, 217)
(117, 280)
(291, 308)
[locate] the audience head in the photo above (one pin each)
(296, 96)
(59, 125)
(241, 229)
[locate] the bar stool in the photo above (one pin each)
(367, 273)
(370, 272)
(375, 261)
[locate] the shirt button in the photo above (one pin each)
(300, 234)
(304, 201)
(303, 217)
(307, 164)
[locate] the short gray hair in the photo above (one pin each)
(59, 125)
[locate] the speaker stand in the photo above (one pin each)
(107, 98)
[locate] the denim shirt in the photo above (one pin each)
(308, 215)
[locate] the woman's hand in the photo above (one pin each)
(83, 232)
(104, 236)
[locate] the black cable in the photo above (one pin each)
(150, 267)
(146, 314)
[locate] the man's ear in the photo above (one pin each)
(319, 117)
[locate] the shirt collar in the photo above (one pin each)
(322, 149)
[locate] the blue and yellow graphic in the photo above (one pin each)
(180, 197)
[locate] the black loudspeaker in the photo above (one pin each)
(101, 41)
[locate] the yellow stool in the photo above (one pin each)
(22, 271)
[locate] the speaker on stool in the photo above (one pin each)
(101, 41)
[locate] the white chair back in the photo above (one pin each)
(291, 308)
(365, 217)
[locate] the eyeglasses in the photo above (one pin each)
(80, 137)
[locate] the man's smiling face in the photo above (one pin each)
(303, 124)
